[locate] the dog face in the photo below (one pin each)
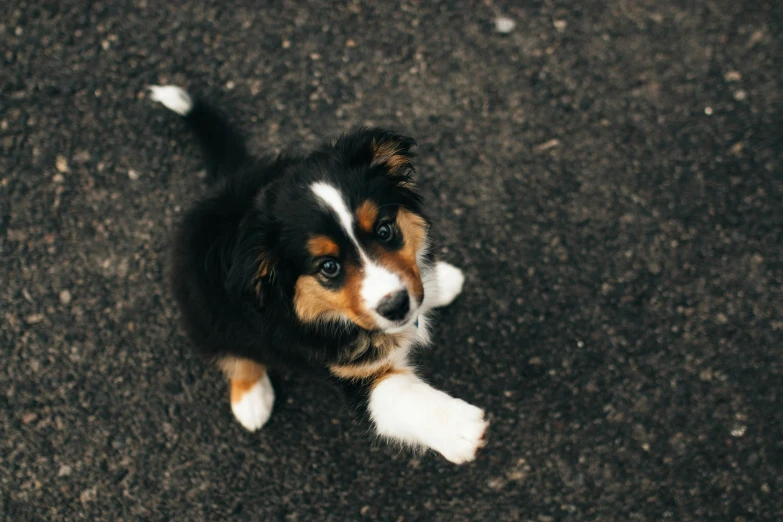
(342, 235)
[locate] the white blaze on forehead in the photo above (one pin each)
(378, 282)
(332, 198)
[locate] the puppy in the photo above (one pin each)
(320, 263)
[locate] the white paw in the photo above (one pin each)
(407, 410)
(172, 97)
(450, 280)
(254, 408)
(460, 431)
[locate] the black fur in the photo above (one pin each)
(264, 209)
(267, 267)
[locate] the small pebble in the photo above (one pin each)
(504, 25)
(708, 111)
(65, 297)
(34, 318)
(554, 142)
(64, 471)
(133, 175)
(733, 76)
(81, 157)
(62, 164)
(560, 25)
(738, 430)
(230, 85)
(736, 149)
(740, 95)
(88, 495)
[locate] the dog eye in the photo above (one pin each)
(330, 268)
(384, 232)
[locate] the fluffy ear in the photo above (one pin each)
(379, 148)
(393, 152)
(251, 262)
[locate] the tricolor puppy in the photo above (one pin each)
(319, 263)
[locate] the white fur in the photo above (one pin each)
(450, 280)
(172, 97)
(332, 198)
(442, 285)
(254, 408)
(408, 410)
(378, 283)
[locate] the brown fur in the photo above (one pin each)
(313, 302)
(319, 246)
(403, 261)
(367, 371)
(388, 154)
(264, 268)
(366, 215)
(243, 374)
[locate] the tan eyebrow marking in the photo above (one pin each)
(319, 246)
(366, 215)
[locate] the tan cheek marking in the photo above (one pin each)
(414, 233)
(366, 215)
(313, 302)
(243, 374)
(322, 246)
(414, 230)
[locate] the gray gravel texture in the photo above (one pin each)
(608, 174)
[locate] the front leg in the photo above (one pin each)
(405, 409)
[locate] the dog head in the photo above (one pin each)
(341, 236)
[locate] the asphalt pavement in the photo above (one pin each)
(608, 174)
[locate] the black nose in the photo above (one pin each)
(394, 307)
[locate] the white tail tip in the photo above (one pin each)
(172, 97)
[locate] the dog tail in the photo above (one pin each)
(224, 149)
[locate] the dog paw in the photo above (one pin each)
(450, 281)
(255, 406)
(460, 432)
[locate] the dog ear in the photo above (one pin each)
(251, 263)
(379, 148)
(392, 151)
